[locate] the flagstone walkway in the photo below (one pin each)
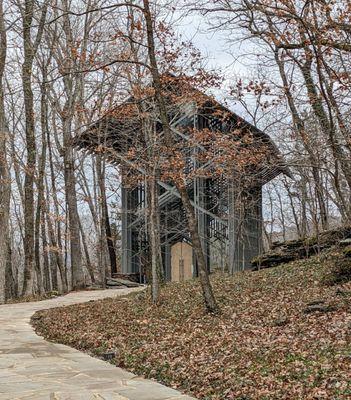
(33, 369)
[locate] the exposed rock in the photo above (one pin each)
(110, 355)
(281, 321)
(133, 277)
(340, 272)
(36, 317)
(121, 282)
(94, 287)
(342, 292)
(315, 302)
(283, 252)
(113, 282)
(345, 242)
(318, 308)
(347, 251)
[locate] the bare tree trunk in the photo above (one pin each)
(154, 233)
(84, 185)
(31, 151)
(326, 124)
(207, 291)
(73, 217)
(46, 263)
(68, 159)
(104, 271)
(300, 128)
(300, 233)
(86, 253)
(56, 259)
(109, 239)
(29, 49)
(5, 183)
(41, 207)
(152, 218)
(100, 168)
(209, 299)
(40, 183)
(55, 241)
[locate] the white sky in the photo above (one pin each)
(214, 45)
(231, 61)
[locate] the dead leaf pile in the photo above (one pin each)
(262, 345)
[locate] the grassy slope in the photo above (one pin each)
(262, 346)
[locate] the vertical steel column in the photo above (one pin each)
(200, 199)
(202, 218)
(244, 228)
(232, 227)
(126, 233)
(167, 262)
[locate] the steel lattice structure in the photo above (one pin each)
(222, 212)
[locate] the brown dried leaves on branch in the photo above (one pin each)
(262, 346)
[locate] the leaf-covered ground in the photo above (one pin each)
(31, 298)
(262, 346)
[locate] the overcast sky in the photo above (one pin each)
(211, 44)
(214, 46)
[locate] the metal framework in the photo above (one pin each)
(224, 213)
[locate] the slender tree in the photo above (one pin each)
(5, 183)
(30, 48)
(207, 291)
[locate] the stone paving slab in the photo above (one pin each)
(33, 369)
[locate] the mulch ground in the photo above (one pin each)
(282, 334)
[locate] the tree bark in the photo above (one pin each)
(73, 217)
(29, 50)
(46, 262)
(40, 186)
(100, 168)
(154, 234)
(86, 253)
(5, 182)
(31, 150)
(56, 248)
(68, 157)
(300, 129)
(209, 299)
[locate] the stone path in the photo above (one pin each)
(34, 369)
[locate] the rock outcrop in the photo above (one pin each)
(283, 252)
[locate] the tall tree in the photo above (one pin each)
(207, 291)
(5, 183)
(299, 38)
(71, 83)
(30, 48)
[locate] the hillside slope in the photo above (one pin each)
(283, 252)
(283, 334)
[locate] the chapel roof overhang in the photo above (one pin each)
(119, 129)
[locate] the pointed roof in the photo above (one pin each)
(120, 127)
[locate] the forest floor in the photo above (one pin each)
(282, 334)
(31, 298)
(32, 368)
